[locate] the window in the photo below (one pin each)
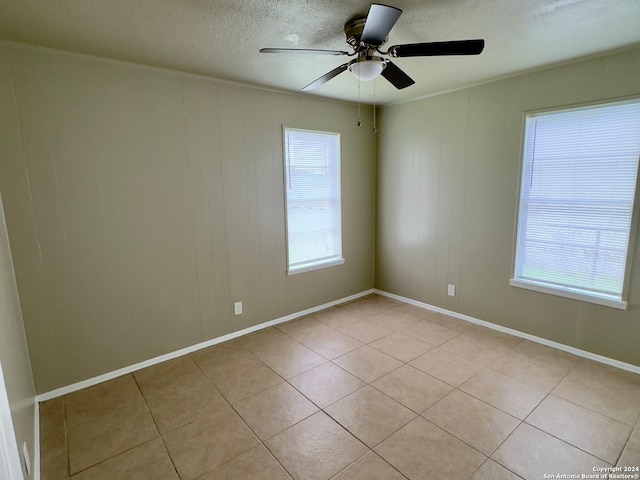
(579, 175)
(312, 189)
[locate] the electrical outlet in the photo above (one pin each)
(237, 308)
(451, 290)
(26, 458)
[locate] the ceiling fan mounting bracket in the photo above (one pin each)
(353, 31)
(366, 34)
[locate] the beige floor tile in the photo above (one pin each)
(384, 300)
(532, 453)
(415, 312)
(181, 370)
(148, 461)
(366, 331)
(631, 454)
(304, 328)
(507, 394)
(116, 398)
(446, 366)
(266, 341)
(316, 448)
(107, 431)
(481, 349)
(546, 354)
(606, 390)
(291, 360)
(362, 309)
(203, 445)
(246, 382)
(255, 464)
(497, 338)
(185, 405)
(430, 332)
(95, 441)
(333, 344)
(452, 323)
(53, 447)
(541, 374)
(274, 409)
(421, 450)
(472, 421)
(55, 469)
(219, 358)
(394, 318)
(235, 371)
(369, 467)
(335, 317)
(367, 363)
(412, 388)
(51, 412)
(248, 375)
(326, 384)
(402, 346)
(596, 434)
(177, 393)
(369, 306)
(490, 470)
(370, 415)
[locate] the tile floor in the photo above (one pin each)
(373, 389)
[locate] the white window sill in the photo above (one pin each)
(567, 293)
(308, 267)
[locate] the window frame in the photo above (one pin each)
(566, 291)
(317, 263)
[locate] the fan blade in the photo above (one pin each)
(380, 21)
(396, 76)
(303, 51)
(326, 77)
(457, 47)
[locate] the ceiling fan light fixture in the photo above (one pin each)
(366, 35)
(367, 68)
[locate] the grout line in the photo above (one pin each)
(155, 423)
(626, 444)
(516, 333)
(370, 384)
(190, 349)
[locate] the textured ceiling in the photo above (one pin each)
(221, 38)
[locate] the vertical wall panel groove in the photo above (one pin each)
(157, 203)
(477, 133)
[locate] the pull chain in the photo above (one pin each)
(375, 128)
(359, 122)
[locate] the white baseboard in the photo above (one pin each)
(193, 348)
(162, 358)
(516, 333)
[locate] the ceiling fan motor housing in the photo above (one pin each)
(353, 31)
(366, 34)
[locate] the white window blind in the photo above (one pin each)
(312, 186)
(579, 178)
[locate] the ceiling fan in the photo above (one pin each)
(366, 35)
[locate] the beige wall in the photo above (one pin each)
(448, 174)
(14, 355)
(142, 203)
(146, 202)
